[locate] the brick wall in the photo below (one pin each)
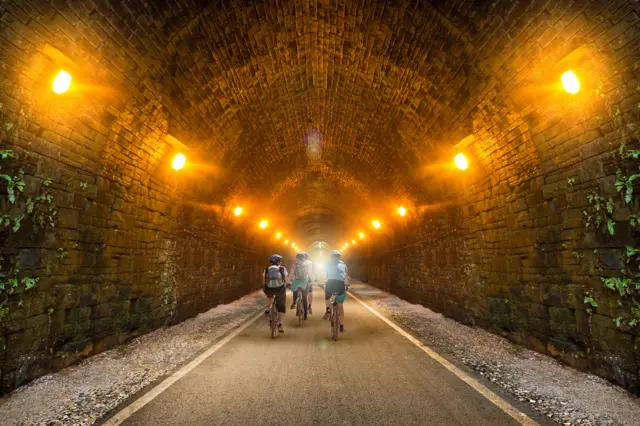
(505, 246)
(135, 245)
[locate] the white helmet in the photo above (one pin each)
(336, 253)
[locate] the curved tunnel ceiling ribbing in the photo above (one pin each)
(381, 83)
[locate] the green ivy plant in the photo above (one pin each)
(600, 212)
(590, 302)
(42, 212)
(624, 185)
(62, 253)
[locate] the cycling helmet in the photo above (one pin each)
(300, 255)
(275, 259)
(336, 253)
(306, 255)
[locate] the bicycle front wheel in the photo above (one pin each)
(274, 323)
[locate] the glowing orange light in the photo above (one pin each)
(286, 241)
(402, 211)
(353, 242)
(62, 82)
(237, 211)
(264, 224)
(278, 235)
(361, 235)
(461, 161)
(178, 161)
(293, 244)
(570, 82)
(376, 224)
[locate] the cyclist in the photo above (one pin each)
(301, 274)
(275, 284)
(336, 278)
(311, 278)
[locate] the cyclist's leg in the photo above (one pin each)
(328, 292)
(304, 299)
(281, 301)
(268, 296)
(342, 296)
(309, 295)
(295, 297)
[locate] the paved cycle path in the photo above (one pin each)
(372, 375)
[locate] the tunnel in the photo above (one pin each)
(478, 158)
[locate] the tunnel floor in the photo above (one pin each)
(381, 377)
(372, 375)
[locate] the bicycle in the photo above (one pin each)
(273, 317)
(334, 315)
(300, 306)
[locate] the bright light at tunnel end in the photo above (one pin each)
(461, 161)
(570, 82)
(178, 161)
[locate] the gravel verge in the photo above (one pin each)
(561, 393)
(83, 393)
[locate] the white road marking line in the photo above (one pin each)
(129, 410)
(519, 416)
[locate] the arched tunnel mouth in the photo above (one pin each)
(479, 158)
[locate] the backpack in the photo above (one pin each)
(274, 276)
(301, 272)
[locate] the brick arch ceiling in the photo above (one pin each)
(379, 82)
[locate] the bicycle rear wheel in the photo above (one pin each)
(335, 322)
(299, 309)
(274, 321)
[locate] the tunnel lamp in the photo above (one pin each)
(461, 161)
(61, 82)
(570, 82)
(264, 224)
(402, 211)
(361, 235)
(353, 242)
(286, 241)
(346, 244)
(178, 161)
(293, 244)
(237, 211)
(376, 224)
(278, 235)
